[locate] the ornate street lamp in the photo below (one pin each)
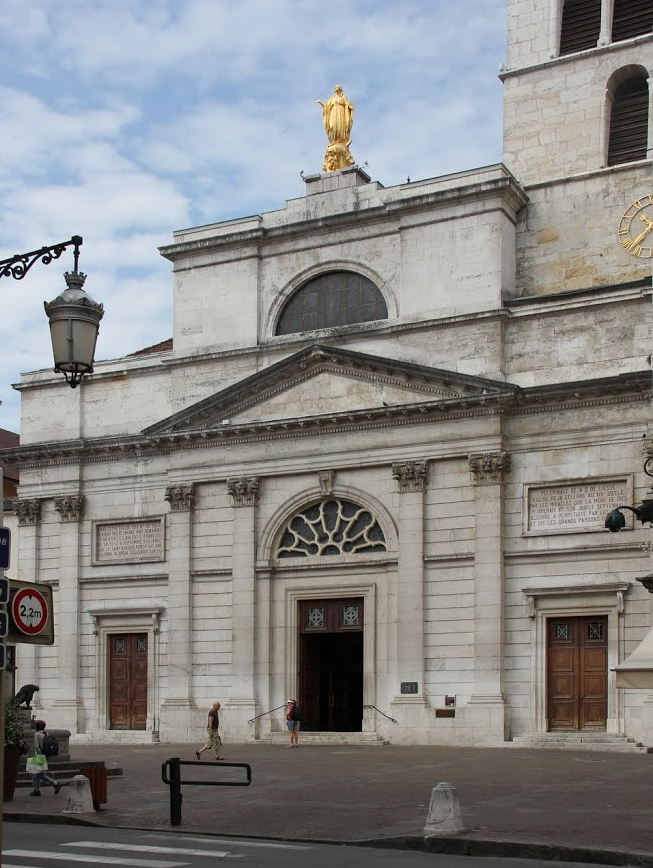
(74, 316)
(637, 669)
(615, 519)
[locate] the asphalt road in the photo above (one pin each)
(56, 846)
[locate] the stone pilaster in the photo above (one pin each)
(242, 700)
(68, 706)
(487, 711)
(29, 519)
(176, 712)
(411, 478)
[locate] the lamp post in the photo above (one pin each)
(615, 520)
(74, 316)
(74, 324)
(636, 671)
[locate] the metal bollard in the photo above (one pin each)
(173, 779)
(176, 797)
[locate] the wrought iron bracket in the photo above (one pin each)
(17, 266)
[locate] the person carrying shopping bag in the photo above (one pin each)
(38, 764)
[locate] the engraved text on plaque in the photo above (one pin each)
(129, 541)
(581, 506)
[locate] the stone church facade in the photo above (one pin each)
(371, 469)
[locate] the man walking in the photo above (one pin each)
(213, 740)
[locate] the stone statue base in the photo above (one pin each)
(337, 157)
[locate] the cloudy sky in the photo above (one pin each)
(123, 120)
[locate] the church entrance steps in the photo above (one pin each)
(62, 771)
(600, 741)
(326, 738)
(115, 736)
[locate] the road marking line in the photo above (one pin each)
(273, 845)
(92, 857)
(147, 848)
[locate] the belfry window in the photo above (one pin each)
(629, 121)
(631, 18)
(332, 527)
(581, 25)
(338, 298)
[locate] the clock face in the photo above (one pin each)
(636, 228)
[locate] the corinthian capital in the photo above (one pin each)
(243, 489)
(489, 467)
(70, 507)
(410, 475)
(28, 511)
(180, 496)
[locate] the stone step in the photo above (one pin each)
(326, 738)
(61, 771)
(581, 741)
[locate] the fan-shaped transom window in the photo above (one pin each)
(332, 527)
(338, 298)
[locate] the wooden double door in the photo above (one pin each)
(331, 665)
(128, 681)
(577, 673)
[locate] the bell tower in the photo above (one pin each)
(578, 124)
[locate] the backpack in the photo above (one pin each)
(296, 714)
(50, 745)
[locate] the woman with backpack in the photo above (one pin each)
(292, 719)
(41, 777)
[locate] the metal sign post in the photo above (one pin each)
(5, 557)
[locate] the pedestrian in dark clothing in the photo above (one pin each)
(213, 740)
(42, 777)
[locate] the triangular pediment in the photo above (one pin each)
(322, 381)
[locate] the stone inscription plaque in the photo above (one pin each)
(129, 541)
(581, 506)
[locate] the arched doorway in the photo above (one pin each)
(331, 665)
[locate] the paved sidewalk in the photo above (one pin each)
(529, 800)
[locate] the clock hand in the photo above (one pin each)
(649, 227)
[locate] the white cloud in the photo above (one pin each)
(124, 120)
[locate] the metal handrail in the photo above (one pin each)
(381, 712)
(266, 712)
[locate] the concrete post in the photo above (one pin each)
(80, 800)
(444, 816)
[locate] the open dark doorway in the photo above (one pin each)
(331, 666)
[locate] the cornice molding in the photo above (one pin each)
(624, 389)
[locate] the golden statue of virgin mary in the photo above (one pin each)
(337, 117)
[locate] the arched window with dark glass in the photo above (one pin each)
(581, 25)
(337, 298)
(331, 527)
(629, 121)
(631, 18)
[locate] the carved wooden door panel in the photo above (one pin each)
(577, 673)
(128, 681)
